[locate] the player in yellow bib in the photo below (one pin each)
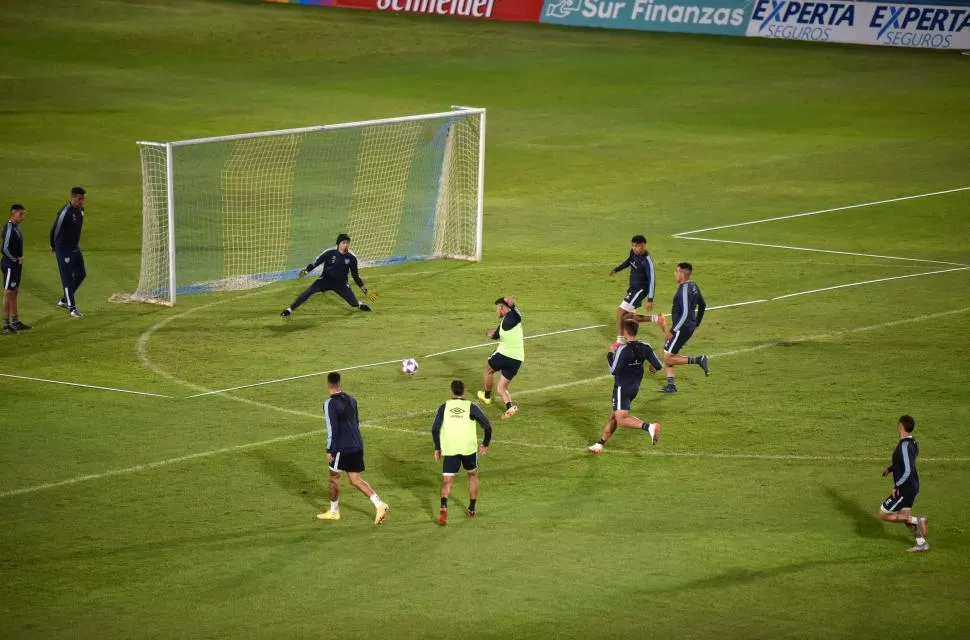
(508, 357)
(456, 442)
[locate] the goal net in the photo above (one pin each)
(241, 211)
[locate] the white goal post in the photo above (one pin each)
(240, 211)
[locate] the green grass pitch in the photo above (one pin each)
(755, 515)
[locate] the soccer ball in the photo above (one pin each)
(409, 366)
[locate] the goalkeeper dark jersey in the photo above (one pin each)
(337, 267)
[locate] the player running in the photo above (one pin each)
(642, 282)
(626, 365)
(456, 442)
(898, 507)
(338, 262)
(686, 315)
(345, 449)
(509, 355)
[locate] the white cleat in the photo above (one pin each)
(919, 548)
(654, 430)
(596, 447)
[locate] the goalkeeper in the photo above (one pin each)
(337, 263)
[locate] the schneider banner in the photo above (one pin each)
(511, 10)
(888, 24)
(725, 17)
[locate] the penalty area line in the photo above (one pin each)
(376, 364)
(813, 213)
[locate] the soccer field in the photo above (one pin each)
(186, 510)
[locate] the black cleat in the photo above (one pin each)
(363, 307)
(285, 313)
(8, 330)
(471, 513)
(702, 363)
(670, 388)
(20, 326)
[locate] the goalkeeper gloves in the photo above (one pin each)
(370, 295)
(307, 270)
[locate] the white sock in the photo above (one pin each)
(375, 500)
(913, 520)
(334, 506)
(920, 540)
(619, 338)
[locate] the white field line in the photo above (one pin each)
(538, 335)
(843, 253)
(299, 377)
(856, 284)
(730, 306)
(86, 386)
(813, 213)
(555, 387)
(376, 364)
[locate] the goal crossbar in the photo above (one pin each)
(239, 211)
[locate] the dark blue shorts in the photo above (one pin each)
(678, 339)
(901, 501)
(12, 272)
(450, 465)
(352, 461)
(508, 366)
(623, 396)
(634, 298)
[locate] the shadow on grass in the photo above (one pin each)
(414, 477)
(866, 524)
(292, 479)
(740, 576)
(577, 417)
(311, 489)
(291, 326)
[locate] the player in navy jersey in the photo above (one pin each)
(345, 449)
(642, 283)
(11, 268)
(65, 243)
(898, 507)
(626, 364)
(685, 318)
(338, 264)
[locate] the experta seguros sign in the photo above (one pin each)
(888, 24)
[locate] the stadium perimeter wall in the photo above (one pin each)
(928, 24)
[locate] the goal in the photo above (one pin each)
(241, 211)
